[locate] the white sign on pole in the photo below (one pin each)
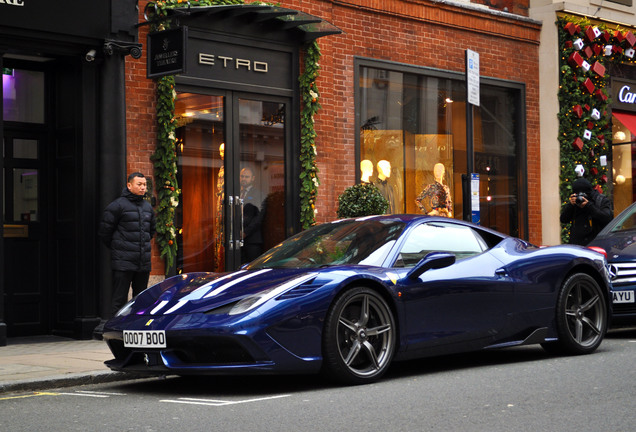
(472, 76)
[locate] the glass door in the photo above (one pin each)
(261, 191)
(201, 142)
(232, 177)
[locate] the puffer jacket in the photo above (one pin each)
(127, 226)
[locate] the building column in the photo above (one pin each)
(112, 157)
(3, 325)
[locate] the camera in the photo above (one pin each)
(90, 55)
(580, 196)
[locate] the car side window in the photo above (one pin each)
(459, 240)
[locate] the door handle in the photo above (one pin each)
(240, 202)
(230, 203)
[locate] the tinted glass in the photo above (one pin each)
(345, 242)
(23, 96)
(438, 237)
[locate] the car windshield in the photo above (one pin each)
(349, 241)
(626, 221)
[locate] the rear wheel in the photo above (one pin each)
(581, 316)
(359, 338)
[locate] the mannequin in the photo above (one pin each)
(384, 170)
(219, 256)
(366, 168)
(382, 183)
(436, 199)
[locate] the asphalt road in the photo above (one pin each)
(519, 389)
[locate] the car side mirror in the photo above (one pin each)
(434, 260)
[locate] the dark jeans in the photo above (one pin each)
(121, 285)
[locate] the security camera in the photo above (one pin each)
(90, 55)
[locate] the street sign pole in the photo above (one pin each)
(472, 98)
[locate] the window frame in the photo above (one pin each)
(521, 137)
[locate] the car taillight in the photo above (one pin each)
(599, 250)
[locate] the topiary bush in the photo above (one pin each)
(362, 199)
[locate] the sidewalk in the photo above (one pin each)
(44, 362)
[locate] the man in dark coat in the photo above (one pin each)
(127, 226)
(588, 210)
(252, 217)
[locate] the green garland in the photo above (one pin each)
(165, 164)
(309, 181)
(165, 156)
(585, 129)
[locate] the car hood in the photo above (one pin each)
(203, 292)
(620, 246)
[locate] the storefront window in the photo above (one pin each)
(23, 96)
(623, 156)
(413, 145)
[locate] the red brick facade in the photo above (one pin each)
(413, 32)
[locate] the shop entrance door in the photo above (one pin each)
(25, 230)
(231, 149)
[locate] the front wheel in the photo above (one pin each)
(581, 316)
(359, 337)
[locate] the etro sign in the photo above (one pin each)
(12, 2)
(623, 94)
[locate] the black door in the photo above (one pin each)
(25, 252)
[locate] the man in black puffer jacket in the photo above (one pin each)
(127, 226)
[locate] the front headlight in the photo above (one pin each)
(255, 300)
(126, 309)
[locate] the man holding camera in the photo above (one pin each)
(588, 210)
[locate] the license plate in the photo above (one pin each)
(623, 297)
(145, 338)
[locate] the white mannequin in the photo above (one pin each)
(366, 167)
(384, 170)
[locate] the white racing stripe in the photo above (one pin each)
(222, 288)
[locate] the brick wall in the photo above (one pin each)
(141, 129)
(414, 32)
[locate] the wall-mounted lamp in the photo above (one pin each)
(620, 136)
(90, 55)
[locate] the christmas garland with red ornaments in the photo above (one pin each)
(585, 128)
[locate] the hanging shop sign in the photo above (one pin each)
(167, 52)
(623, 94)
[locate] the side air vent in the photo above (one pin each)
(300, 290)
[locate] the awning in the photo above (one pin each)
(628, 120)
(305, 27)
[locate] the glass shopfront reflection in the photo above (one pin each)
(232, 177)
(413, 145)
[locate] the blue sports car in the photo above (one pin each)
(347, 298)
